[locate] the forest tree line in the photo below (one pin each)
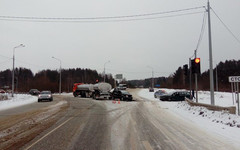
(25, 79)
(178, 80)
(49, 79)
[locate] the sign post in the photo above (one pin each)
(236, 80)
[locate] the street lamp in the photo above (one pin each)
(152, 76)
(21, 45)
(60, 78)
(104, 70)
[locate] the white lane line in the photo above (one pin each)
(48, 133)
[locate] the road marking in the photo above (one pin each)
(53, 130)
(48, 133)
(147, 145)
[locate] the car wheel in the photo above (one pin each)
(155, 96)
(39, 100)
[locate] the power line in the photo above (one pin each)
(103, 17)
(226, 26)
(202, 31)
(99, 21)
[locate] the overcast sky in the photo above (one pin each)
(163, 44)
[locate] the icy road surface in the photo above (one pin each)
(83, 123)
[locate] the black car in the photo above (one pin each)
(34, 92)
(45, 95)
(121, 94)
(175, 96)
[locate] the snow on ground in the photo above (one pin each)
(17, 100)
(222, 123)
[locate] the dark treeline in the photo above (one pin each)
(180, 81)
(49, 79)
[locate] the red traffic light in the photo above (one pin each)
(197, 60)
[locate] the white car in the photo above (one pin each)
(45, 95)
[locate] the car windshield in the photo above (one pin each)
(45, 92)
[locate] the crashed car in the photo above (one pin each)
(121, 94)
(175, 96)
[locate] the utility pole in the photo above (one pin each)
(152, 80)
(196, 85)
(104, 70)
(21, 45)
(210, 56)
(60, 72)
(216, 79)
(190, 76)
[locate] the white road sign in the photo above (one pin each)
(234, 79)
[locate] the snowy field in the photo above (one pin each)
(220, 123)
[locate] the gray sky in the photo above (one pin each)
(131, 46)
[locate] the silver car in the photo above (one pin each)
(45, 95)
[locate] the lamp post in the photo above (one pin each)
(21, 45)
(152, 76)
(60, 70)
(104, 70)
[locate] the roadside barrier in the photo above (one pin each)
(231, 110)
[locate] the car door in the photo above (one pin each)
(175, 96)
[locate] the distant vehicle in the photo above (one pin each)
(2, 91)
(159, 93)
(122, 86)
(175, 96)
(83, 90)
(121, 94)
(45, 95)
(96, 91)
(151, 89)
(102, 90)
(34, 92)
(3, 95)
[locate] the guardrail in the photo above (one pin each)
(231, 110)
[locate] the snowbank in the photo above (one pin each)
(17, 100)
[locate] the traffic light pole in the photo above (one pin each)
(196, 84)
(190, 77)
(210, 57)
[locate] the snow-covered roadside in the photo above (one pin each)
(17, 100)
(222, 124)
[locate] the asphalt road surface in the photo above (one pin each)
(70, 123)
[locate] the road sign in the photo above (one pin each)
(234, 79)
(119, 76)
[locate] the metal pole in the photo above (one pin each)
(104, 71)
(196, 84)
(190, 77)
(60, 86)
(21, 45)
(210, 57)
(60, 72)
(216, 79)
(232, 92)
(152, 79)
(238, 98)
(13, 73)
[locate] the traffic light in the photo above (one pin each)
(185, 69)
(195, 65)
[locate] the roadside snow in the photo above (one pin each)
(222, 124)
(17, 100)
